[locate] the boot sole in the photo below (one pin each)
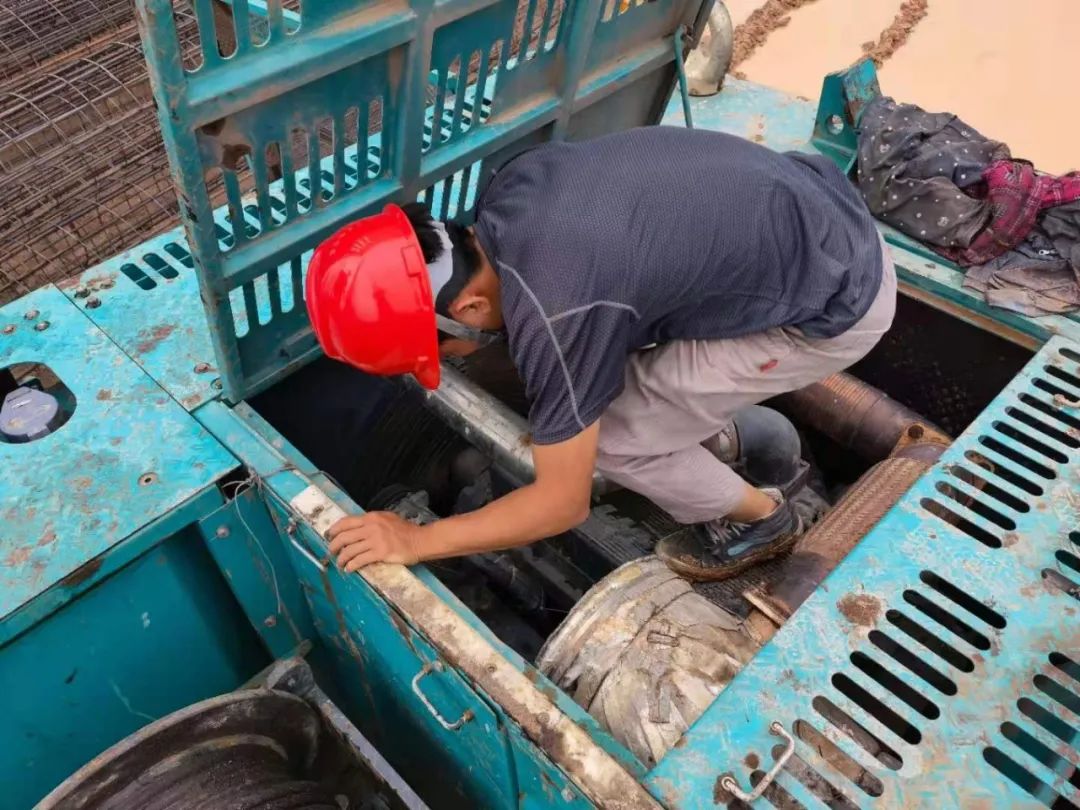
(697, 573)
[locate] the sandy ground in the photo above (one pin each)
(1008, 72)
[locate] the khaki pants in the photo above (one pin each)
(683, 393)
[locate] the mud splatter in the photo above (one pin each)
(104, 395)
(860, 609)
(751, 34)
(896, 34)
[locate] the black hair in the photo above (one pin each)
(467, 259)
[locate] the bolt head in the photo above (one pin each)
(202, 368)
(270, 621)
(31, 314)
(93, 303)
(567, 794)
(7, 330)
(41, 326)
(82, 292)
(222, 532)
(216, 384)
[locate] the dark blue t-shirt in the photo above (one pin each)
(659, 234)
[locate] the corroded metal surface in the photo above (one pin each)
(646, 655)
(928, 648)
(127, 456)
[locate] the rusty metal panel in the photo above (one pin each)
(939, 665)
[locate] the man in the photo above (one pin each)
(651, 284)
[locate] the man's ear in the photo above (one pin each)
(470, 304)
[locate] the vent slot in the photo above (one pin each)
(1004, 473)
(1064, 376)
(161, 267)
(1068, 559)
(1066, 665)
(947, 620)
(1041, 753)
(976, 506)
(1056, 391)
(774, 794)
(912, 698)
(1061, 582)
(866, 739)
(814, 781)
(828, 751)
(1066, 697)
(1051, 411)
(133, 272)
(179, 253)
(963, 524)
(876, 709)
(913, 662)
(1042, 427)
(993, 490)
(1048, 720)
(1005, 429)
(1007, 452)
(969, 603)
(1022, 777)
(1069, 354)
(945, 652)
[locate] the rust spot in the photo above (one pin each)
(104, 395)
(17, 556)
(82, 482)
(233, 154)
(1010, 539)
(680, 743)
(150, 338)
(860, 609)
(719, 795)
(190, 401)
(526, 439)
(82, 573)
(48, 537)
(752, 760)
(116, 441)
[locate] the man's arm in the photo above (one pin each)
(556, 501)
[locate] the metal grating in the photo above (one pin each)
(448, 89)
(937, 666)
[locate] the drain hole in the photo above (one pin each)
(827, 750)
(945, 652)
(1068, 559)
(1041, 753)
(895, 685)
(947, 620)
(1050, 388)
(1049, 721)
(1042, 427)
(876, 709)
(1064, 376)
(1069, 354)
(1004, 473)
(866, 740)
(1050, 410)
(964, 600)
(1075, 537)
(1019, 436)
(1022, 777)
(1066, 665)
(993, 490)
(1007, 452)
(815, 782)
(1053, 689)
(908, 659)
(976, 506)
(961, 523)
(1061, 582)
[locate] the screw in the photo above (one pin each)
(82, 292)
(147, 478)
(216, 384)
(202, 368)
(31, 314)
(41, 326)
(7, 330)
(567, 794)
(222, 532)
(93, 303)
(270, 621)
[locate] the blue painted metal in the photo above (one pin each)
(844, 94)
(128, 458)
(221, 117)
(1010, 547)
(786, 123)
(159, 634)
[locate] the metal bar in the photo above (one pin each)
(582, 26)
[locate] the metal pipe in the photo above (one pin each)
(830, 540)
(707, 64)
(856, 415)
(488, 424)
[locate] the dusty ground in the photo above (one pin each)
(1008, 72)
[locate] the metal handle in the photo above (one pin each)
(729, 784)
(425, 670)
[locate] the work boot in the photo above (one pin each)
(720, 549)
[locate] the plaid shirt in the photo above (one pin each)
(1016, 193)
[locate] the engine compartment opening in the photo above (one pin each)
(385, 447)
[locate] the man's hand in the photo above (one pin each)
(374, 537)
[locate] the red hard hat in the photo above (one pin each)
(369, 298)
